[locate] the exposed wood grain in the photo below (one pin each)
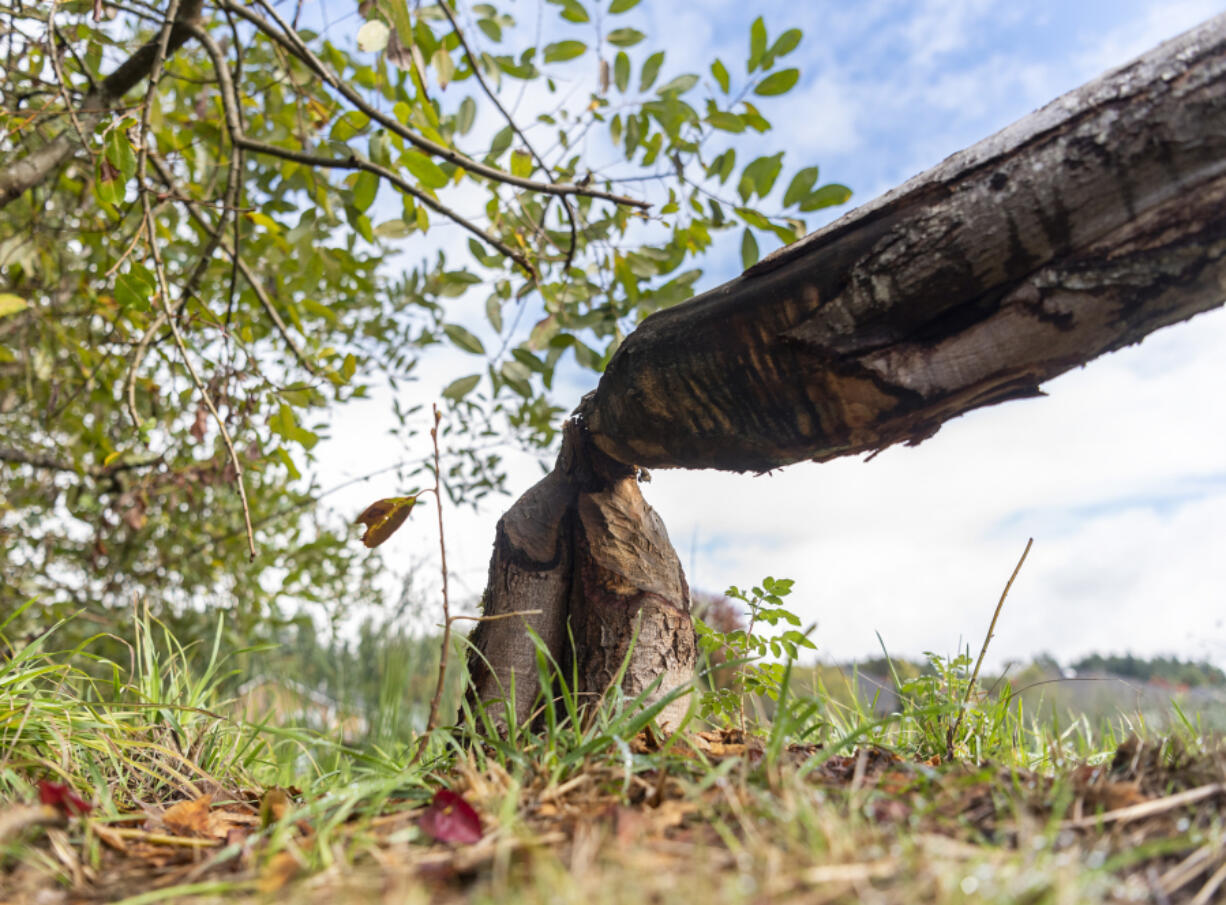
(1079, 229)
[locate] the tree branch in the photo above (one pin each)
(244, 268)
(1078, 230)
(37, 166)
(48, 462)
(163, 285)
(290, 41)
(472, 62)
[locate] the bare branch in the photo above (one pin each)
(48, 462)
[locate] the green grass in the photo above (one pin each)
(823, 801)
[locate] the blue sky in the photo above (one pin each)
(1120, 475)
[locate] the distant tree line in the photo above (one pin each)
(1166, 669)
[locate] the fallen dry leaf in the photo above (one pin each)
(450, 819)
(60, 795)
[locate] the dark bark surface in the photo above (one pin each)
(1080, 229)
(581, 557)
(1075, 231)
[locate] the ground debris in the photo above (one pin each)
(811, 826)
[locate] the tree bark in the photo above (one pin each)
(1078, 230)
(582, 561)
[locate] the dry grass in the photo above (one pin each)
(191, 806)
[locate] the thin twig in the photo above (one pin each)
(1147, 808)
(442, 547)
(50, 463)
(230, 106)
(291, 41)
(472, 62)
(432, 720)
(497, 617)
(983, 651)
(160, 271)
(63, 81)
(357, 163)
(249, 275)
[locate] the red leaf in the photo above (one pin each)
(450, 819)
(62, 796)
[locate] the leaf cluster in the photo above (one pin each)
(292, 218)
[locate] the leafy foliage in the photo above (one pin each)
(218, 258)
(759, 671)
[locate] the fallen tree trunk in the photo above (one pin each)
(1076, 231)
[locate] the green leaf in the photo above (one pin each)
(621, 6)
(134, 289)
(119, 153)
(827, 196)
(466, 115)
(444, 66)
(349, 125)
(800, 186)
(11, 304)
(458, 389)
(728, 122)
(424, 169)
(757, 43)
(544, 330)
(621, 71)
(625, 37)
(786, 43)
(463, 339)
(493, 312)
(490, 29)
(678, 86)
(759, 176)
(502, 141)
(651, 68)
(365, 189)
(721, 75)
(754, 119)
(779, 82)
(561, 51)
(521, 164)
(749, 249)
(572, 11)
(392, 229)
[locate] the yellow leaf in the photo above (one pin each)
(11, 304)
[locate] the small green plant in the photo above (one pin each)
(951, 717)
(753, 658)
